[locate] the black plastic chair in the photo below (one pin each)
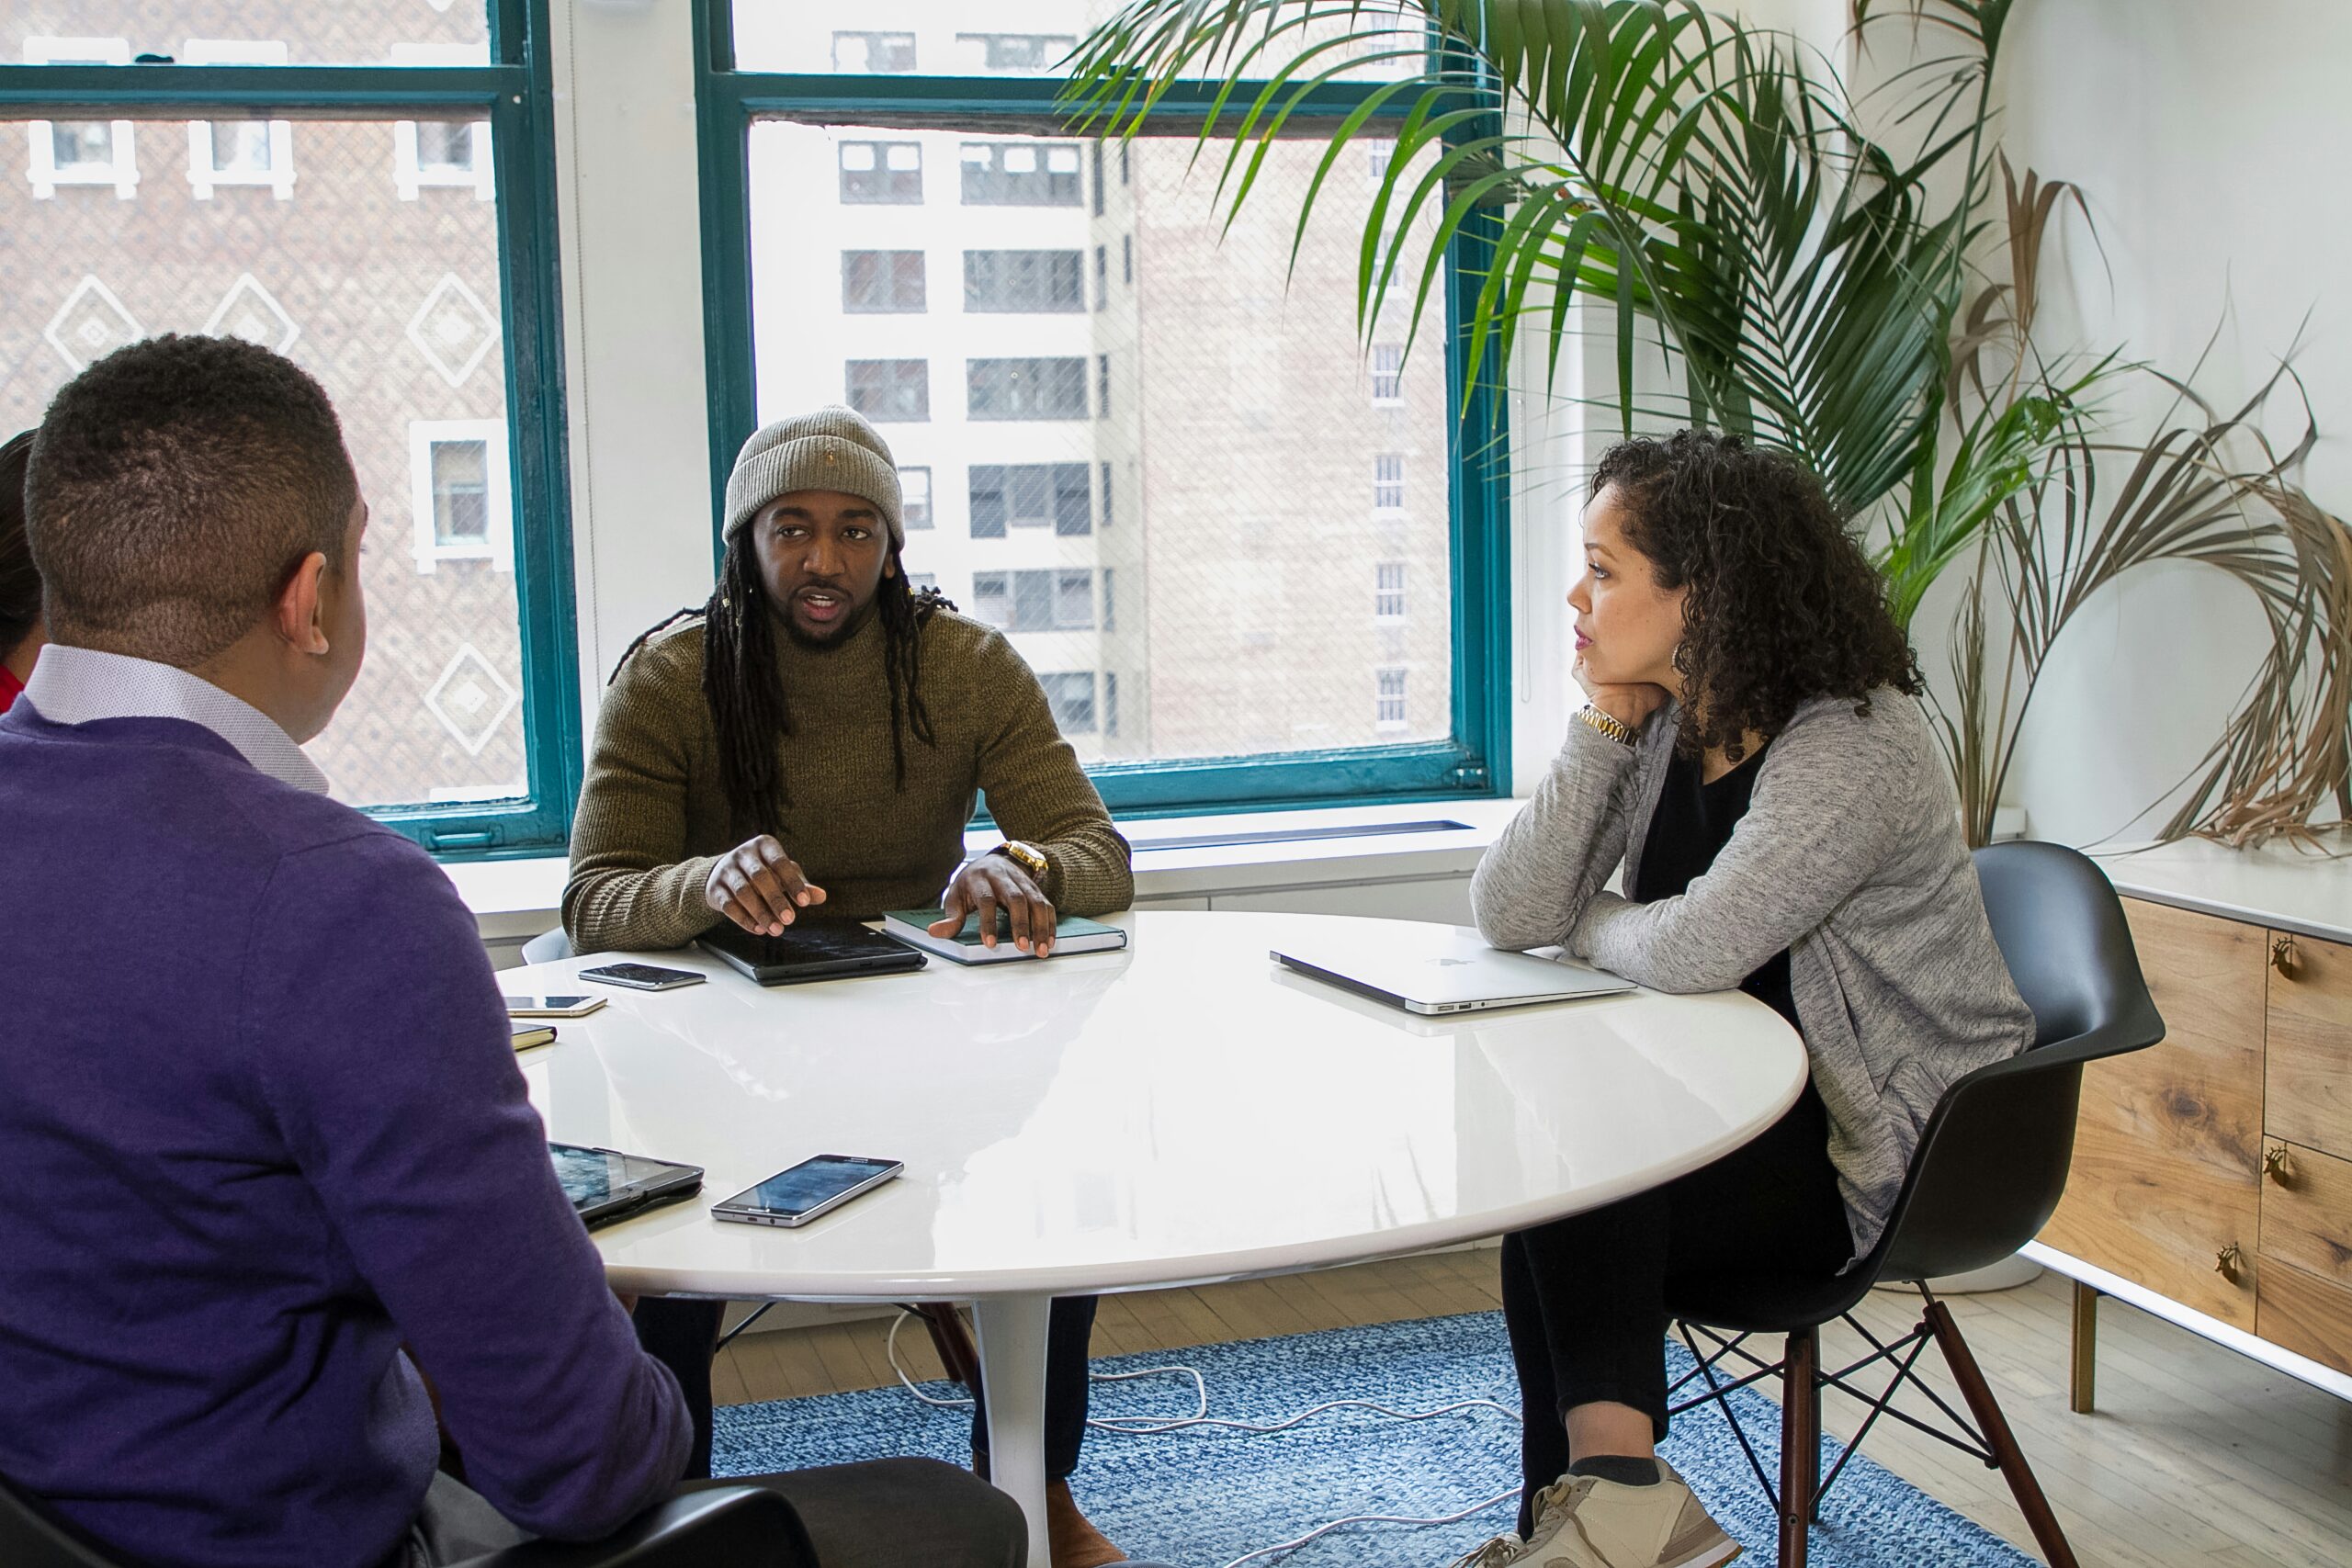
(730, 1525)
(1988, 1173)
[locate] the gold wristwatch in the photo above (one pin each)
(1609, 724)
(1028, 857)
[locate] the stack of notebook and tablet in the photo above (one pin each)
(832, 950)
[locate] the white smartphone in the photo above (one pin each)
(568, 1004)
(642, 976)
(813, 1187)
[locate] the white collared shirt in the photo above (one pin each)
(78, 685)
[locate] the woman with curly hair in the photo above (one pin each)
(1754, 756)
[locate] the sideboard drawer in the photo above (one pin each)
(2167, 1149)
(2306, 1316)
(2307, 1211)
(2309, 1089)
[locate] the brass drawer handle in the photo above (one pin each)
(2225, 1263)
(2283, 957)
(2279, 1167)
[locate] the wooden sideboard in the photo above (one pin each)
(2212, 1173)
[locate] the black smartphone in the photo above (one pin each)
(642, 976)
(813, 1187)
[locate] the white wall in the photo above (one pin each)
(2208, 140)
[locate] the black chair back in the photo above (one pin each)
(1992, 1161)
(32, 1537)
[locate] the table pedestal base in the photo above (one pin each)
(1013, 1385)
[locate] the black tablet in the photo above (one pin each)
(816, 950)
(605, 1184)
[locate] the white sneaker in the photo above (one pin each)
(1582, 1521)
(1500, 1553)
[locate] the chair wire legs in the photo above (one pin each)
(1798, 1496)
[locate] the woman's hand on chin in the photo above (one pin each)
(1630, 705)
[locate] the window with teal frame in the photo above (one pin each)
(1214, 382)
(366, 187)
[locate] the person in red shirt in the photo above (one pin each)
(21, 633)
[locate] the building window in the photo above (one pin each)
(1377, 151)
(1071, 696)
(1123, 163)
(1126, 258)
(1029, 495)
(914, 497)
(1389, 373)
(1388, 698)
(1026, 389)
(239, 151)
(81, 152)
(887, 390)
(457, 490)
(876, 54)
(1110, 605)
(1103, 386)
(921, 582)
(1021, 174)
(1110, 702)
(1106, 495)
(875, 282)
(1388, 591)
(887, 173)
(1027, 281)
(1388, 482)
(1101, 277)
(1015, 51)
(1098, 179)
(442, 153)
(992, 597)
(1056, 601)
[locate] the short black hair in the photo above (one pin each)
(19, 583)
(174, 486)
(1783, 607)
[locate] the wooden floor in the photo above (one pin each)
(2196, 1455)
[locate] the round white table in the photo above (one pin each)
(1182, 1112)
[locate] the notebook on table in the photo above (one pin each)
(813, 950)
(1072, 934)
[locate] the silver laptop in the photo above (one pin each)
(1438, 969)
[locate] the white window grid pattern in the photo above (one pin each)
(410, 173)
(1388, 482)
(914, 499)
(1388, 697)
(120, 168)
(1388, 591)
(1387, 373)
(209, 164)
(497, 546)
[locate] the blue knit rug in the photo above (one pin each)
(1204, 1497)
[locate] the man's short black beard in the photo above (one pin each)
(827, 643)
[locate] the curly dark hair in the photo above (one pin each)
(1782, 607)
(19, 583)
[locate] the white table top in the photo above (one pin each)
(1180, 1112)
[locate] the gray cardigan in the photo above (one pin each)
(1849, 856)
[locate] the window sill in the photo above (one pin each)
(514, 900)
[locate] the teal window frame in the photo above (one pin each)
(1473, 761)
(515, 92)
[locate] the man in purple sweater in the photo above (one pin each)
(268, 1148)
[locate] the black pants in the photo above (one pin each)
(680, 1334)
(1585, 1297)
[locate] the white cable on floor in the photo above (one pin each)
(1372, 1519)
(1152, 1425)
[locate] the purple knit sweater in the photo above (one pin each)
(261, 1126)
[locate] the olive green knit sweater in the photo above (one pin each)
(653, 815)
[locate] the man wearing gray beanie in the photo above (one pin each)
(810, 743)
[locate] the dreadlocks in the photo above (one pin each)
(749, 707)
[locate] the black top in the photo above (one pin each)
(1692, 824)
